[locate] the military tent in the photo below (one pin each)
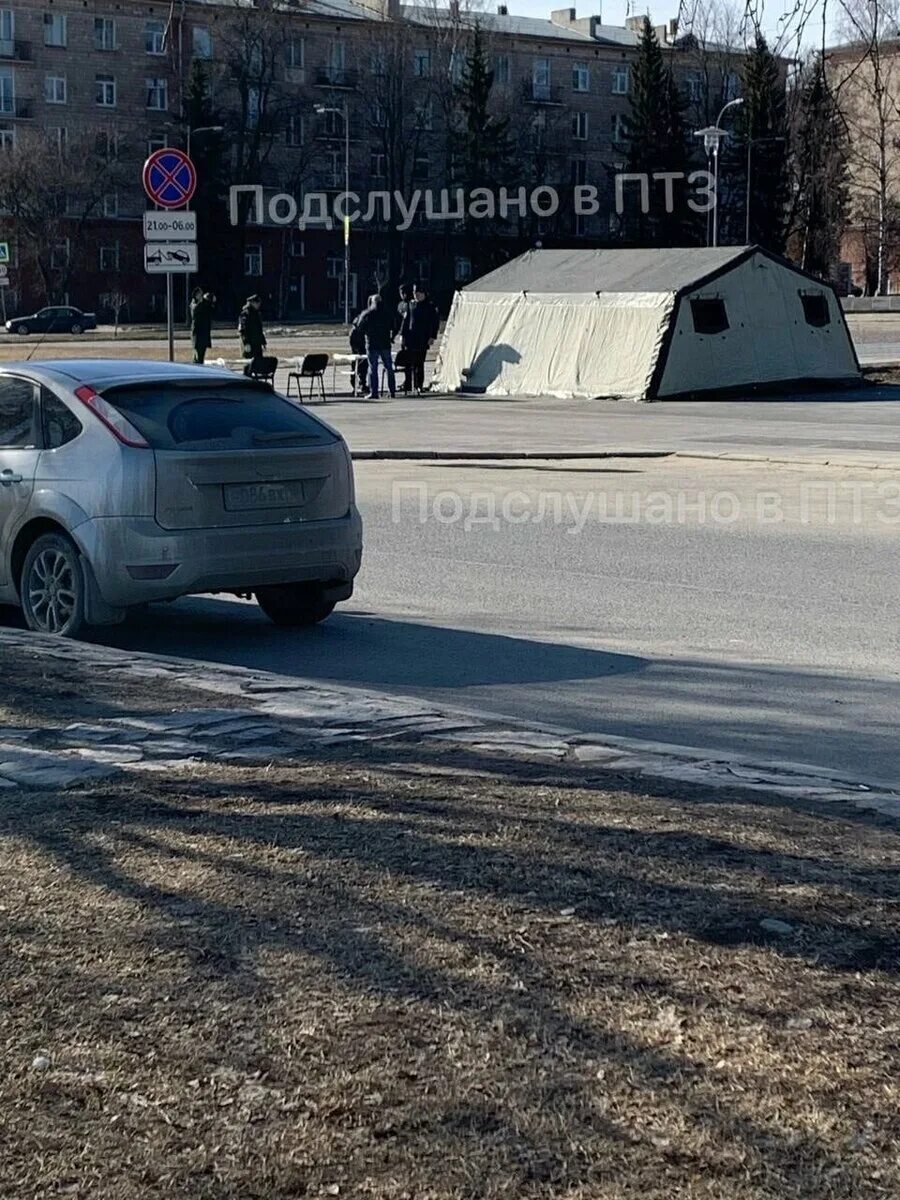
(644, 325)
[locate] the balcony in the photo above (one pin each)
(22, 110)
(15, 51)
(541, 93)
(332, 77)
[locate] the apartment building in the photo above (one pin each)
(281, 81)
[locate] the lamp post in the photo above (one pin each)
(345, 114)
(751, 142)
(712, 136)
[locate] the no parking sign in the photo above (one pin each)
(170, 178)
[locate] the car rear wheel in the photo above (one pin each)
(52, 587)
(23, 329)
(76, 328)
(294, 604)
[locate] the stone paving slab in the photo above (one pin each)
(281, 717)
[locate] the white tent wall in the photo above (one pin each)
(550, 344)
(768, 339)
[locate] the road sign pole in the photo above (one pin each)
(169, 316)
(3, 304)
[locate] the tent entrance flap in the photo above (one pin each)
(554, 344)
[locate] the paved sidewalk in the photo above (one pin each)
(271, 717)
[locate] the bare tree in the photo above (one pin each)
(866, 83)
(50, 192)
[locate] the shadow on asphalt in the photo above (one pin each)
(358, 649)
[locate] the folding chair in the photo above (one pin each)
(313, 368)
(263, 369)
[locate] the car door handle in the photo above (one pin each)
(8, 476)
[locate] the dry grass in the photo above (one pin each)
(390, 976)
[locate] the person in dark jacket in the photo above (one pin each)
(419, 329)
(253, 338)
(202, 306)
(406, 300)
(358, 347)
(378, 325)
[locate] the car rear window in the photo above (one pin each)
(215, 416)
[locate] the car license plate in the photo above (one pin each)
(240, 497)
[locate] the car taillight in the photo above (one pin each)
(117, 425)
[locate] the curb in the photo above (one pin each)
(573, 455)
(300, 712)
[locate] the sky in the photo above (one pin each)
(806, 12)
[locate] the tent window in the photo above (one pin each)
(815, 309)
(709, 316)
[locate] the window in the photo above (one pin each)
(293, 134)
(253, 262)
(58, 135)
(621, 80)
(18, 409)
(156, 141)
(217, 416)
(104, 33)
(337, 62)
(295, 54)
(379, 115)
(540, 79)
(581, 77)
(334, 169)
(333, 123)
(7, 139)
(579, 172)
(421, 63)
(425, 116)
(457, 62)
(580, 126)
(155, 37)
(201, 42)
(421, 167)
(106, 145)
(105, 90)
(55, 29)
(7, 31)
(423, 269)
(253, 99)
(157, 94)
(109, 257)
(111, 204)
(58, 423)
(334, 266)
(815, 309)
(709, 316)
(55, 89)
(501, 70)
(618, 127)
(7, 91)
(731, 85)
(462, 270)
(377, 165)
(693, 86)
(298, 246)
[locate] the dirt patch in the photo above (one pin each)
(389, 975)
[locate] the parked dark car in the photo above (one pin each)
(57, 319)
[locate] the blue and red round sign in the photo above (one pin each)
(170, 178)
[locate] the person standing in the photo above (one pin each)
(202, 305)
(406, 301)
(252, 335)
(359, 349)
(378, 327)
(420, 328)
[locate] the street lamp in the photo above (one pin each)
(751, 142)
(344, 113)
(712, 136)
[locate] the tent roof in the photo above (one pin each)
(582, 271)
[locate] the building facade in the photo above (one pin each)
(300, 100)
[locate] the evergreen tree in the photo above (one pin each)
(656, 137)
(216, 239)
(482, 148)
(821, 154)
(761, 128)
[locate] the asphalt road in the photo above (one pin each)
(743, 610)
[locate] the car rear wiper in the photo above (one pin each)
(285, 437)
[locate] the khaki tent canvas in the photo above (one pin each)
(644, 325)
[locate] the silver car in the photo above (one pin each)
(126, 482)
